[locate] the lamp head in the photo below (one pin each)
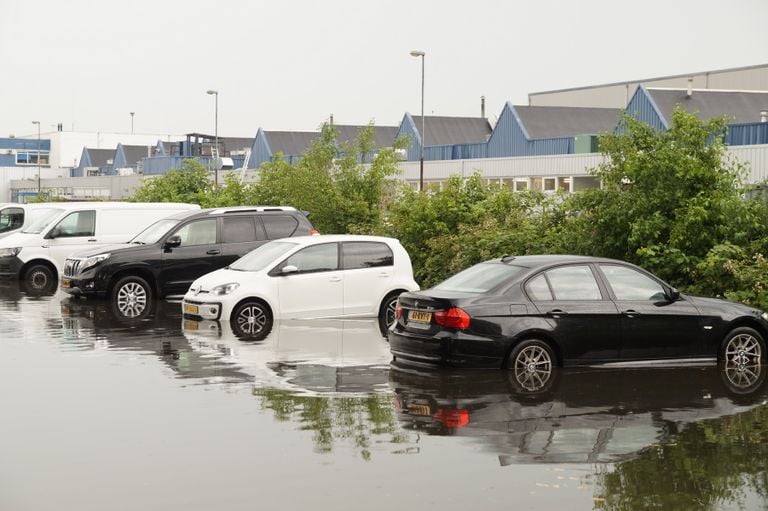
(211, 91)
(417, 53)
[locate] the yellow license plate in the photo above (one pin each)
(190, 309)
(66, 283)
(191, 325)
(419, 316)
(423, 410)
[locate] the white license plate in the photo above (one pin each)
(191, 309)
(419, 316)
(66, 283)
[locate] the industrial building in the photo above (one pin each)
(547, 145)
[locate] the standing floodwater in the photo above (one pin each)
(105, 412)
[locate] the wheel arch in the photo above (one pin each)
(539, 335)
(252, 298)
(42, 261)
(144, 273)
(750, 323)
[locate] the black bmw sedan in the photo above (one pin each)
(532, 313)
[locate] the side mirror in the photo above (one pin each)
(53, 233)
(287, 270)
(172, 242)
(673, 294)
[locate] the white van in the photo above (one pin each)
(37, 252)
(14, 217)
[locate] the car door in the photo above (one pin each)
(368, 273)
(584, 321)
(197, 254)
(73, 233)
(239, 235)
(316, 287)
(651, 325)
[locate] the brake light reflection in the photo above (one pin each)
(452, 418)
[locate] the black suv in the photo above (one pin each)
(167, 256)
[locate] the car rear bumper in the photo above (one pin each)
(454, 349)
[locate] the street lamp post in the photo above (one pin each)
(132, 122)
(39, 189)
(419, 53)
(216, 135)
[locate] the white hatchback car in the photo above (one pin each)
(306, 277)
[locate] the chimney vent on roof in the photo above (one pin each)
(690, 88)
(482, 107)
(763, 115)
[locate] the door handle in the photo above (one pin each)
(630, 313)
(557, 312)
(92, 240)
(384, 274)
(213, 252)
(335, 279)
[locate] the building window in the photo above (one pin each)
(550, 184)
(521, 185)
(564, 184)
(31, 157)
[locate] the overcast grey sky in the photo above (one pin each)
(288, 65)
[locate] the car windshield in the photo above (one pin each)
(479, 278)
(263, 256)
(42, 219)
(154, 232)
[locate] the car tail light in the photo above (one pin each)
(314, 232)
(452, 418)
(398, 310)
(453, 318)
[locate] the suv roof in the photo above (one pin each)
(234, 210)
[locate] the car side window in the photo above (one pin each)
(630, 284)
(316, 258)
(79, 223)
(11, 218)
(538, 288)
(200, 232)
(279, 226)
(366, 254)
(238, 229)
(574, 283)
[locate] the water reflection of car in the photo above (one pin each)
(532, 313)
(331, 355)
(99, 324)
(580, 415)
(305, 277)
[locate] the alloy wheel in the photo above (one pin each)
(533, 367)
(131, 299)
(251, 319)
(743, 350)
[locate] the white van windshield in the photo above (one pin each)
(260, 258)
(155, 232)
(41, 219)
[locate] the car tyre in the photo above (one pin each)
(252, 318)
(39, 278)
(532, 364)
(132, 297)
(742, 346)
(387, 312)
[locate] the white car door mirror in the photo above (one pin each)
(288, 269)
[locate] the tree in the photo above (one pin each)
(668, 198)
(190, 183)
(330, 181)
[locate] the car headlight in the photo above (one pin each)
(224, 289)
(93, 261)
(10, 252)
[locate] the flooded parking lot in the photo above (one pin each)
(105, 412)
